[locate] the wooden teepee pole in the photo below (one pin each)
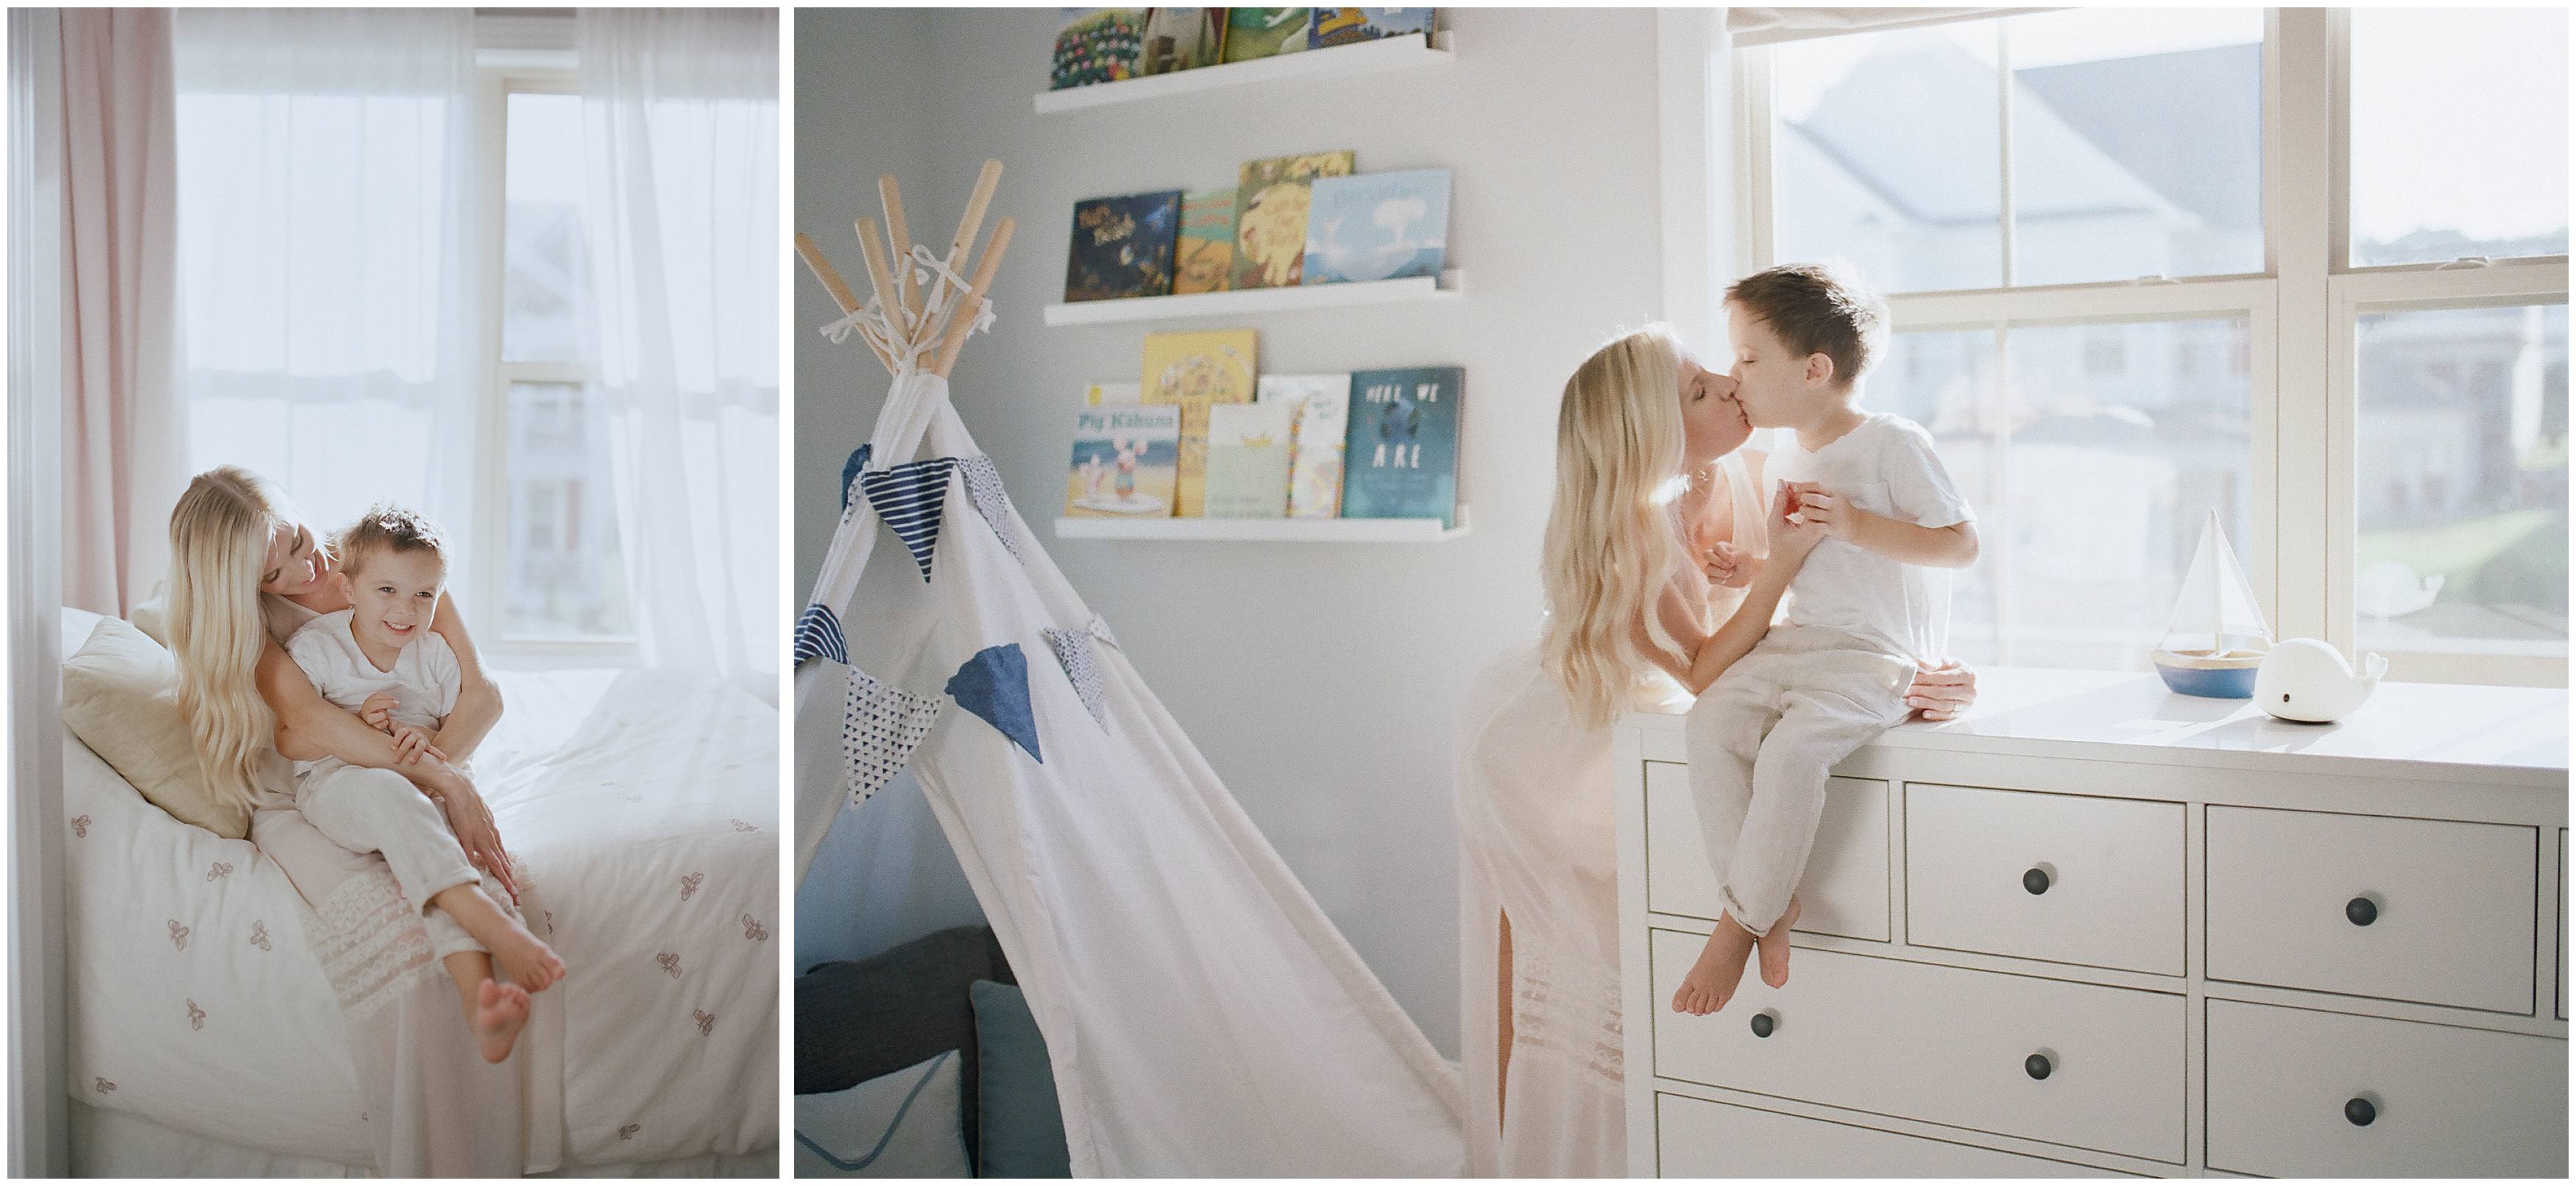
(963, 319)
(817, 263)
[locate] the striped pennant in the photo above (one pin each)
(850, 476)
(1073, 652)
(984, 489)
(909, 497)
(880, 727)
(818, 632)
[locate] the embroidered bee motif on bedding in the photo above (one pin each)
(80, 828)
(689, 885)
(219, 869)
(745, 826)
(259, 934)
(670, 961)
(104, 1087)
(178, 935)
(626, 1132)
(752, 930)
(706, 1021)
(196, 1017)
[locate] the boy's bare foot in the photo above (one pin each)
(525, 959)
(1720, 967)
(1775, 947)
(500, 1012)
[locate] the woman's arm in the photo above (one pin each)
(478, 699)
(1790, 545)
(310, 728)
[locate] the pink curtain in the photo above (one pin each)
(121, 423)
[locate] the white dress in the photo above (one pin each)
(1538, 844)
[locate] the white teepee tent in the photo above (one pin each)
(1202, 1015)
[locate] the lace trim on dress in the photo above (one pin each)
(1558, 1006)
(371, 942)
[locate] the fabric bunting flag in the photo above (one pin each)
(1100, 630)
(880, 727)
(850, 476)
(994, 685)
(819, 633)
(984, 489)
(909, 497)
(1073, 651)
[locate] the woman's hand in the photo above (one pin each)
(1942, 693)
(412, 743)
(472, 822)
(1729, 565)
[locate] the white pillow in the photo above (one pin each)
(908, 1124)
(121, 698)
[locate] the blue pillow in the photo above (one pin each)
(904, 1125)
(1022, 1128)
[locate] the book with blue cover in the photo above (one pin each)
(1401, 457)
(1122, 247)
(1377, 226)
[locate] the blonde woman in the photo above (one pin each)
(1661, 567)
(246, 572)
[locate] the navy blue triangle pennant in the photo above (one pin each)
(818, 632)
(994, 685)
(850, 475)
(910, 498)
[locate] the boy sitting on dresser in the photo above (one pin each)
(1870, 607)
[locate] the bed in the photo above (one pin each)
(643, 807)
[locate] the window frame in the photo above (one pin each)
(2302, 308)
(499, 76)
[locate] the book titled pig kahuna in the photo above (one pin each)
(1401, 454)
(1125, 460)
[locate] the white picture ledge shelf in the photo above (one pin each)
(1312, 531)
(1449, 285)
(1367, 57)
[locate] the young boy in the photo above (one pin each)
(1869, 605)
(380, 659)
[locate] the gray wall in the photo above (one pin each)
(1319, 680)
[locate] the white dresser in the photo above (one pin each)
(2099, 929)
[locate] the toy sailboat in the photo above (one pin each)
(2217, 637)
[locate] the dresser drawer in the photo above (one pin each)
(1940, 1044)
(2443, 1101)
(1698, 1139)
(1844, 891)
(2070, 878)
(2449, 906)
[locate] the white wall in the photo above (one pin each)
(1319, 680)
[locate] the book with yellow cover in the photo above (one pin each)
(1195, 370)
(1270, 215)
(1204, 258)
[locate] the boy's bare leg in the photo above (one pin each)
(524, 958)
(1774, 945)
(1712, 979)
(496, 1012)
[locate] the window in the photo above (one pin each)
(563, 581)
(2100, 242)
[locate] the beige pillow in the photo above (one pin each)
(121, 698)
(153, 617)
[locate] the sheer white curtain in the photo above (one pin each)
(326, 185)
(680, 122)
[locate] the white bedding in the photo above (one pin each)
(643, 808)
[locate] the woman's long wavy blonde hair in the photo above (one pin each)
(219, 537)
(1612, 535)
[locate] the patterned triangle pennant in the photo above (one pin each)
(818, 632)
(984, 489)
(880, 728)
(910, 498)
(1073, 651)
(994, 685)
(1100, 630)
(850, 475)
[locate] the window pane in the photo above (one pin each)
(566, 576)
(1887, 149)
(2120, 439)
(2461, 481)
(2137, 143)
(2459, 133)
(541, 254)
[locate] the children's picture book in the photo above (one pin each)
(1124, 462)
(1315, 436)
(1182, 39)
(1122, 247)
(1346, 26)
(1263, 32)
(1270, 216)
(1097, 45)
(1377, 226)
(1247, 469)
(1195, 370)
(1402, 449)
(1203, 261)
(1099, 395)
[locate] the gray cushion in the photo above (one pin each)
(903, 1125)
(1022, 1130)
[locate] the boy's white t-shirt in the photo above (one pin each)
(1885, 466)
(424, 681)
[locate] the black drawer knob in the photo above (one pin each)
(2360, 1112)
(2362, 912)
(2037, 1066)
(2036, 881)
(1764, 1023)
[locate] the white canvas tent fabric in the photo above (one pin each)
(1202, 1014)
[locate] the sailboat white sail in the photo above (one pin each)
(2217, 635)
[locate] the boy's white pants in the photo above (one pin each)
(1761, 741)
(365, 809)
